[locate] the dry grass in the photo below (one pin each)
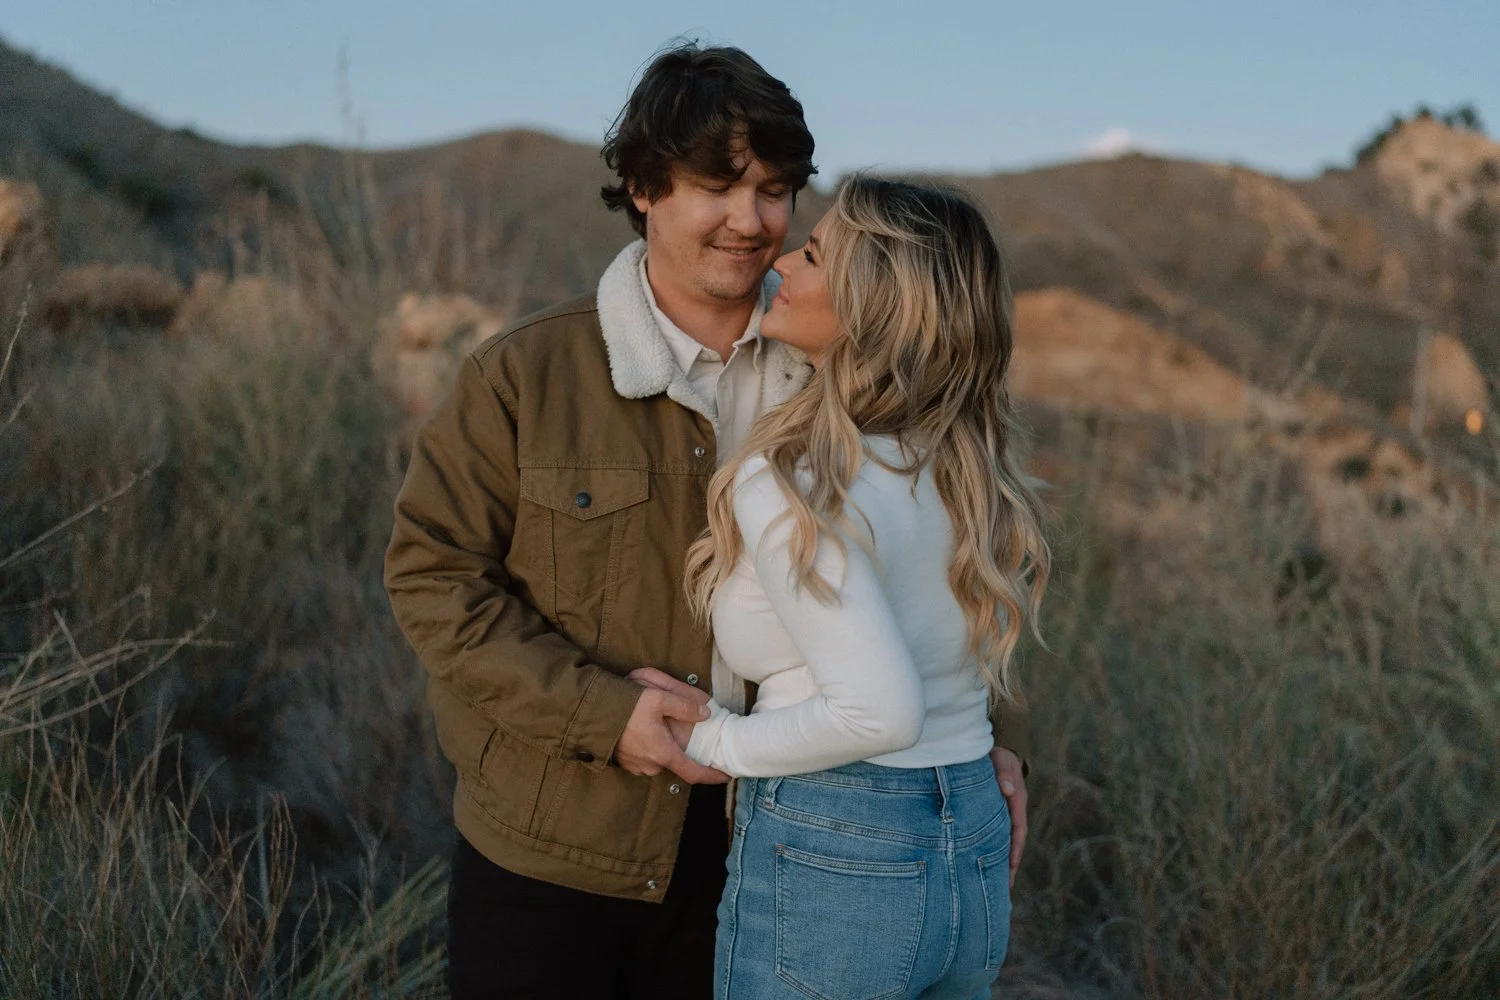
(121, 294)
(1254, 777)
(177, 815)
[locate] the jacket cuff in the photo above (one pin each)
(600, 719)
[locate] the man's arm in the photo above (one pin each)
(445, 573)
(1012, 746)
(1012, 728)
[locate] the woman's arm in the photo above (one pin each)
(870, 699)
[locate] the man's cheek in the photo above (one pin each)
(779, 219)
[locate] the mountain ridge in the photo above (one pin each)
(1266, 274)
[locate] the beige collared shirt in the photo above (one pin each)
(731, 390)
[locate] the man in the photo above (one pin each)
(538, 550)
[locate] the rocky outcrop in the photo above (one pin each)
(1294, 238)
(1360, 483)
(1455, 388)
(1075, 353)
(1442, 173)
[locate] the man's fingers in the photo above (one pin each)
(645, 769)
(676, 707)
(1012, 780)
(662, 681)
(649, 676)
(1008, 770)
(1017, 831)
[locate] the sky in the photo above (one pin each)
(1284, 86)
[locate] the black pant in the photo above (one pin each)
(518, 938)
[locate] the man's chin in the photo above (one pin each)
(737, 288)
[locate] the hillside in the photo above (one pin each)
(1269, 276)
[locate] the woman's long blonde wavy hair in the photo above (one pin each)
(919, 287)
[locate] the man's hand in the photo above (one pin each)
(1013, 787)
(650, 677)
(661, 680)
(647, 746)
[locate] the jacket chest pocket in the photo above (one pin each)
(588, 520)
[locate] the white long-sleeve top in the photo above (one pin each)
(883, 674)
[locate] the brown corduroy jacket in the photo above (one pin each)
(537, 558)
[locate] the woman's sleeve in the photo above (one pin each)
(870, 699)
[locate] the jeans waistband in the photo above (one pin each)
(878, 777)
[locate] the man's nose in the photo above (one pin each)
(744, 213)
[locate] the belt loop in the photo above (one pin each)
(768, 789)
(945, 794)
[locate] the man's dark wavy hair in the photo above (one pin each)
(690, 107)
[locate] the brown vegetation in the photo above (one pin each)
(118, 294)
(421, 344)
(250, 305)
(20, 216)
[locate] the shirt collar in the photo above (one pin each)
(685, 350)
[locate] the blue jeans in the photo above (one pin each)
(866, 883)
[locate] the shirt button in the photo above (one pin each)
(675, 788)
(583, 499)
(700, 451)
(651, 885)
(692, 678)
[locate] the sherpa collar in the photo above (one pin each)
(640, 361)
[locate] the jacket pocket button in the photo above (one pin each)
(700, 451)
(675, 788)
(651, 885)
(692, 678)
(583, 499)
(584, 757)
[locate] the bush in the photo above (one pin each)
(1247, 788)
(174, 818)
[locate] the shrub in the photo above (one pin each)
(139, 857)
(1250, 786)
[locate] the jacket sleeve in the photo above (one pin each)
(1012, 728)
(452, 596)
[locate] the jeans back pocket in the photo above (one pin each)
(847, 930)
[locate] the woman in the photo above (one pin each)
(872, 554)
